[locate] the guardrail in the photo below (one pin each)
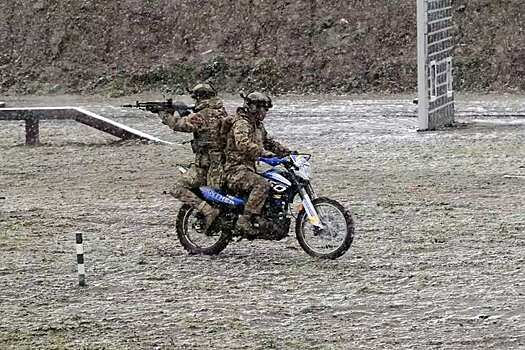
(33, 115)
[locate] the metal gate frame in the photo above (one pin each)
(430, 72)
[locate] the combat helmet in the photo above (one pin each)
(257, 99)
(202, 91)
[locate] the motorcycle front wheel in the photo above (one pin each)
(336, 236)
(192, 236)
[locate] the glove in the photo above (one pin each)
(267, 154)
(164, 117)
(168, 118)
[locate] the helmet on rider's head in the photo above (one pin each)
(257, 101)
(202, 91)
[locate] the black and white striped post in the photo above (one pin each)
(80, 261)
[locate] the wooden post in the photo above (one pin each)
(32, 130)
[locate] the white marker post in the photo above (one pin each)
(80, 261)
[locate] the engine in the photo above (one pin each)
(276, 205)
(276, 224)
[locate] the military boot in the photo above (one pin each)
(209, 214)
(244, 224)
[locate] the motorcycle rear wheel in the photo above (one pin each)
(334, 239)
(193, 239)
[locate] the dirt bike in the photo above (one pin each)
(323, 227)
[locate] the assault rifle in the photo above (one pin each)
(163, 106)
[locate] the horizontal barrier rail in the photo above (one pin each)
(33, 115)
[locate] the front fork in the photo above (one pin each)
(310, 190)
(313, 216)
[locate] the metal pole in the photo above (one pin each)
(80, 261)
(422, 78)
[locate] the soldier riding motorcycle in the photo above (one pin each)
(324, 228)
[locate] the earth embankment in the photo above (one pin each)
(115, 48)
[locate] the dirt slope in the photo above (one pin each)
(118, 47)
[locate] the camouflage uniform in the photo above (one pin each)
(208, 145)
(246, 141)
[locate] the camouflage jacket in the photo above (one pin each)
(205, 124)
(247, 140)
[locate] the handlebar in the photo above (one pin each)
(286, 161)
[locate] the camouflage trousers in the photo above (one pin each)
(194, 177)
(241, 179)
(215, 174)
